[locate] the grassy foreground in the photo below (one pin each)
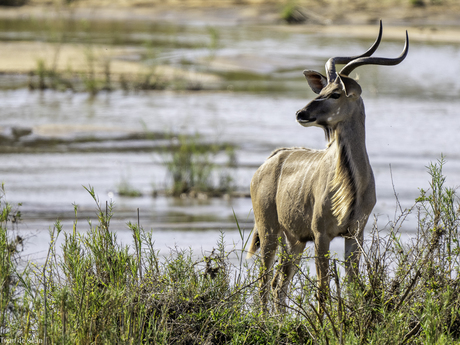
(97, 291)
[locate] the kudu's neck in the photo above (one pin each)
(352, 171)
(350, 137)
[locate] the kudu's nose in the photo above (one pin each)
(302, 115)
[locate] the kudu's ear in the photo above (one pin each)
(316, 80)
(350, 86)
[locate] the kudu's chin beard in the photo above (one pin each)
(328, 130)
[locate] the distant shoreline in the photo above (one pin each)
(21, 57)
(328, 14)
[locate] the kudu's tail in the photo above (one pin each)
(255, 243)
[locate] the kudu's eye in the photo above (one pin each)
(335, 95)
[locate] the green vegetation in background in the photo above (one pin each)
(13, 2)
(190, 164)
(290, 12)
(124, 188)
(99, 291)
(111, 32)
(154, 42)
(65, 29)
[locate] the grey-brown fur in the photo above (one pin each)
(301, 195)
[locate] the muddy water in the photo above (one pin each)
(412, 117)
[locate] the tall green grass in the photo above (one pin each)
(95, 290)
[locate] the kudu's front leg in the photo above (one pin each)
(353, 246)
(322, 268)
(352, 256)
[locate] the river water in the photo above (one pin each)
(412, 112)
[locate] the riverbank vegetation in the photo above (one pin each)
(93, 289)
(65, 52)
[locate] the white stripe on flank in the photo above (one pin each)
(307, 164)
(281, 172)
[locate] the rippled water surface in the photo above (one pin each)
(412, 117)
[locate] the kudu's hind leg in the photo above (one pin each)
(291, 252)
(268, 246)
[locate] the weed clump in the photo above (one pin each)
(192, 170)
(124, 188)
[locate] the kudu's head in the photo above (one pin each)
(339, 96)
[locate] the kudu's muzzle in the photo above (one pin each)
(308, 114)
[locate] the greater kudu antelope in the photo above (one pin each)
(300, 195)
